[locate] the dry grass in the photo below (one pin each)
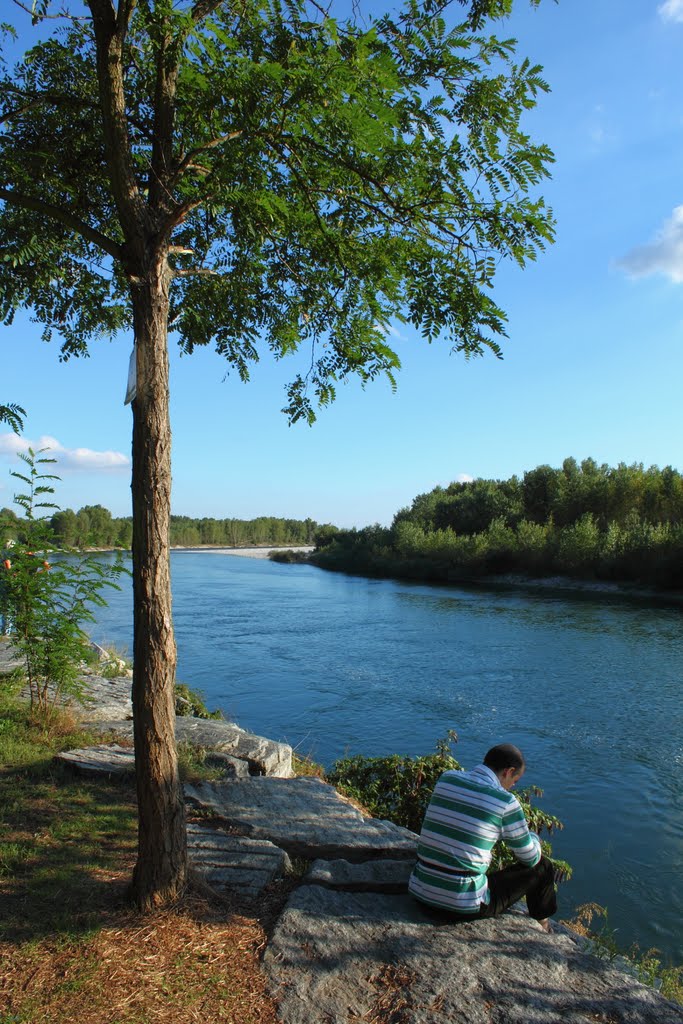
(190, 963)
(72, 950)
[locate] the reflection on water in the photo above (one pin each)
(590, 689)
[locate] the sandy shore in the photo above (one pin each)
(247, 552)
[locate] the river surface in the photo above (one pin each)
(589, 688)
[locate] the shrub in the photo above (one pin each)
(190, 703)
(395, 788)
(48, 601)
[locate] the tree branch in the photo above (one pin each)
(50, 17)
(59, 99)
(110, 31)
(204, 7)
(63, 216)
(196, 271)
(187, 161)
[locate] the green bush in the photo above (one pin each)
(394, 788)
(190, 703)
(47, 601)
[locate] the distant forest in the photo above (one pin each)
(94, 527)
(584, 520)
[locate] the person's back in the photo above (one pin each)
(469, 812)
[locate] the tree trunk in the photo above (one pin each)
(161, 870)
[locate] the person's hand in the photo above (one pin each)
(560, 873)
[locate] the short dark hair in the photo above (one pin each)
(503, 756)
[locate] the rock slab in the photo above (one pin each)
(339, 957)
(306, 817)
(263, 756)
(370, 876)
(9, 657)
(104, 759)
(233, 862)
(106, 699)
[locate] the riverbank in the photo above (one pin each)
(563, 586)
(567, 586)
(310, 949)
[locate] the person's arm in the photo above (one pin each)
(524, 844)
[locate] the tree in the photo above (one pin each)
(65, 527)
(259, 176)
(13, 415)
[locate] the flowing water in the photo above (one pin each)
(589, 688)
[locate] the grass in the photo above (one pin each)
(71, 947)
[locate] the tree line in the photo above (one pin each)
(93, 526)
(585, 520)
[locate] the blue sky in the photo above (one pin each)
(593, 364)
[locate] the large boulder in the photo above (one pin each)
(341, 956)
(306, 817)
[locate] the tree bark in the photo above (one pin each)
(161, 870)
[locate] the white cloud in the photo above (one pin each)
(662, 256)
(671, 10)
(69, 460)
(464, 478)
(391, 331)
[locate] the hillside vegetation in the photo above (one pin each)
(587, 521)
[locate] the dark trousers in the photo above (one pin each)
(508, 885)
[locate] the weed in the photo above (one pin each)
(191, 702)
(306, 766)
(647, 966)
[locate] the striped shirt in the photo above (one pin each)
(468, 813)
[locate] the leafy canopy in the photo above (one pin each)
(308, 179)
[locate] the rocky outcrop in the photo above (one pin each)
(341, 956)
(101, 759)
(262, 756)
(351, 944)
(370, 876)
(306, 817)
(233, 862)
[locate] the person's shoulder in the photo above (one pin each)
(473, 780)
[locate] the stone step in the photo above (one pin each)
(103, 759)
(369, 876)
(306, 817)
(343, 956)
(234, 862)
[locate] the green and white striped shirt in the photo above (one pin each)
(468, 813)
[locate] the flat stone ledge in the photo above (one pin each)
(341, 956)
(306, 817)
(234, 862)
(106, 699)
(369, 876)
(104, 759)
(263, 756)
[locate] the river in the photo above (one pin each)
(589, 688)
